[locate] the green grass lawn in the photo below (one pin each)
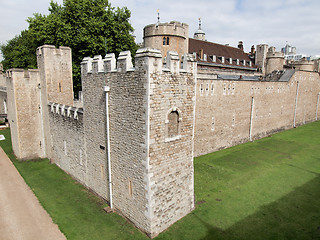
(267, 189)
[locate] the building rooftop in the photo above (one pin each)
(209, 52)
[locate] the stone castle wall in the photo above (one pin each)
(55, 69)
(67, 136)
(160, 117)
(172, 91)
(24, 113)
(229, 112)
(141, 160)
(3, 93)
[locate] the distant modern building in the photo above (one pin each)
(290, 53)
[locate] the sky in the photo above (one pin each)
(272, 22)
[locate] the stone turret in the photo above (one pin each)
(166, 37)
(304, 65)
(275, 60)
(261, 56)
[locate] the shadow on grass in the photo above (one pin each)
(295, 216)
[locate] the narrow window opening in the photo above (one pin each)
(59, 87)
(164, 41)
(80, 162)
(102, 173)
(130, 188)
(212, 89)
(173, 125)
(213, 124)
(65, 148)
(201, 89)
(167, 40)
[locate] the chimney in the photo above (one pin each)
(253, 50)
(240, 45)
(201, 54)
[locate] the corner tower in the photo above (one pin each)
(166, 37)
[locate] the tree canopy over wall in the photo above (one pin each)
(89, 27)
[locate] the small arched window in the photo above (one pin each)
(173, 124)
(164, 41)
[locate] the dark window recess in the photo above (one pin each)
(173, 127)
(102, 147)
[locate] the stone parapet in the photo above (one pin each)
(171, 63)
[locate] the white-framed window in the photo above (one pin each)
(207, 89)
(201, 89)
(213, 58)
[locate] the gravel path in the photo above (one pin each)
(21, 215)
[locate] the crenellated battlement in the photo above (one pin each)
(171, 63)
(64, 110)
(10, 73)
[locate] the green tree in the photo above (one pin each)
(89, 27)
(19, 52)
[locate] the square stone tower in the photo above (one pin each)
(151, 113)
(55, 70)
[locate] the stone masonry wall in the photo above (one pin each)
(171, 157)
(94, 120)
(67, 134)
(3, 101)
(24, 113)
(55, 68)
(149, 171)
(127, 112)
(224, 108)
(3, 94)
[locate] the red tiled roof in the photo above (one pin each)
(218, 50)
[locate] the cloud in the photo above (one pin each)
(274, 22)
(14, 13)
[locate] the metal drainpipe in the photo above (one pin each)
(295, 107)
(317, 107)
(251, 119)
(106, 90)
